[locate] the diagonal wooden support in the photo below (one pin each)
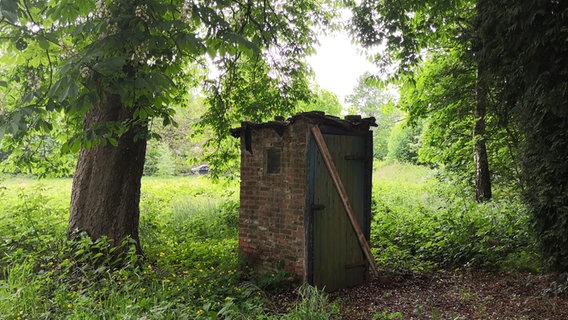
(322, 146)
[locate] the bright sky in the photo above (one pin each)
(338, 64)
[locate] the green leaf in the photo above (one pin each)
(244, 44)
(28, 97)
(190, 43)
(69, 90)
(9, 10)
(110, 65)
(46, 126)
(43, 43)
(51, 105)
(72, 146)
(113, 141)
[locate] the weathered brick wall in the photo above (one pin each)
(271, 219)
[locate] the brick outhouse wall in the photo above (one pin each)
(272, 205)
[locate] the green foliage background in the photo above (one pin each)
(526, 51)
(514, 50)
(190, 266)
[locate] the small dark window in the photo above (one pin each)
(273, 161)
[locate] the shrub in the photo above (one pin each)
(165, 164)
(403, 143)
(546, 191)
(417, 229)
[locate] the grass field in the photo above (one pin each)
(188, 231)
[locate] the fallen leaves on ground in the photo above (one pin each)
(455, 294)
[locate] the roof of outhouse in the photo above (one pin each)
(350, 123)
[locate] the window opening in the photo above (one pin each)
(273, 161)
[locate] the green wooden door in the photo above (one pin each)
(337, 258)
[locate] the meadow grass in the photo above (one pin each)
(401, 174)
(188, 230)
(422, 223)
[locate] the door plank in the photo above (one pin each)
(322, 146)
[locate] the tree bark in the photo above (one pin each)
(105, 195)
(482, 174)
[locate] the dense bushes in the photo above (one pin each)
(404, 143)
(545, 172)
(421, 226)
(528, 45)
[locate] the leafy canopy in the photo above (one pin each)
(62, 58)
(405, 28)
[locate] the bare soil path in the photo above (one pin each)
(462, 294)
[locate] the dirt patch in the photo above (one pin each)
(459, 294)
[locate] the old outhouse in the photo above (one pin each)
(292, 215)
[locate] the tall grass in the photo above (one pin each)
(420, 224)
(189, 270)
(188, 230)
(186, 272)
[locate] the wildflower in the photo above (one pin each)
(141, 11)
(140, 56)
(186, 11)
(101, 9)
(85, 71)
(200, 311)
(162, 254)
(113, 29)
(33, 81)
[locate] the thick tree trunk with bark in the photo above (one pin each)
(106, 186)
(482, 174)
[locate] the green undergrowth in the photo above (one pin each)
(188, 230)
(420, 225)
(189, 269)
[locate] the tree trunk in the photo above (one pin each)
(106, 186)
(482, 174)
